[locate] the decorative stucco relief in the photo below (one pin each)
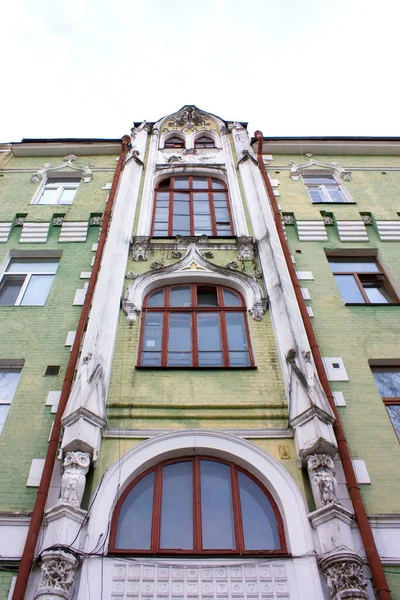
(58, 572)
(73, 481)
(321, 469)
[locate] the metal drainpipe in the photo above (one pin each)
(360, 512)
(38, 510)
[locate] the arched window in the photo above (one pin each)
(191, 206)
(194, 325)
(174, 142)
(204, 142)
(197, 505)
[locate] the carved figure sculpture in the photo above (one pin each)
(76, 466)
(321, 469)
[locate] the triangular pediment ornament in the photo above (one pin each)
(68, 163)
(296, 170)
(194, 267)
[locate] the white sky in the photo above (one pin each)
(88, 68)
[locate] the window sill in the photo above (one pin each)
(329, 203)
(371, 304)
(144, 368)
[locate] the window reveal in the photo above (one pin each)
(197, 506)
(9, 378)
(191, 206)
(194, 326)
(323, 187)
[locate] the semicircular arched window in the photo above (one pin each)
(197, 505)
(191, 205)
(194, 325)
(204, 142)
(174, 142)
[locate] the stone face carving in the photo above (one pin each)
(321, 470)
(345, 576)
(141, 247)
(58, 221)
(57, 575)
(177, 254)
(288, 220)
(96, 220)
(232, 265)
(189, 117)
(245, 248)
(156, 265)
(132, 312)
(366, 219)
(73, 481)
(327, 220)
(183, 240)
(257, 311)
(131, 275)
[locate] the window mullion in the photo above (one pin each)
(358, 281)
(237, 510)
(195, 341)
(224, 339)
(171, 208)
(23, 289)
(191, 209)
(164, 339)
(156, 521)
(212, 209)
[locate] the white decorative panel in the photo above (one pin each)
(79, 297)
(352, 231)
(34, 233)
(35, 472)
(73, 231)
(334, 368)
(389, 230)
(5, 229)
(53, 398)
(305, 293)
(310, 311)
(339, 399)
(311, 231)
(85, 275)
(94, 247)
(70, 338)
(361, 471)
(194, 581)
(305, 275)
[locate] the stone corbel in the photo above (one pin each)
(258, 310)
(58, 573)
(132, 312)
(141, 247)
(245, 247)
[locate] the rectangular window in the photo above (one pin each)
(9, 377)
(27, 281)
(57, 191)
(323, 187)
(387, 380)
(361, 280)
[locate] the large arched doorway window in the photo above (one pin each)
(197, 505)
(191, 205)
(194, 325)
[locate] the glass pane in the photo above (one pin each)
(207, 296)
(164, 184)
(161, 214)
(318, 178)
(224, 230)
(388, 382)
(8, 384)
(151, 359)
(231, 298)
(211, 359)
(177, 506)
(201, 208)
(156, 298)
(349, 289)
(202, 222)
(219, 198)
(33, 265)
(9, 291)
(180, 332)
(180, 296)
(37, 291)
(181, 223)
(358, 265)
(239, 359)
(4, 408)
(376, 293)
(181, 196)
(49, 196)
(200, 183)
(335, 194)
(200, 196)
(152, 332)
(236, 331)
(221, 215)
(160, 231)
(181, 183)
(209, 340)
(216, 184)
(216, 506)
(134, 522)
(394, 414)
(317, 195)
(67, 196)
(181, 208)
(163, 197)
(260, 528)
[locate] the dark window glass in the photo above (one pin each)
(174, 142)
(388, 381)
(177, 506)
(216, 506)
(259, 522)
(134, 523)
(204, 142)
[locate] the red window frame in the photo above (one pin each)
(166, 309)
(171, 189)
(204, 141)
(174, 142)
(197, 523)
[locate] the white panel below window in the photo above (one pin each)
(304, 275)
(334, 368)
(361, 471)
(70, 338)
(35, 472)
(339, 399)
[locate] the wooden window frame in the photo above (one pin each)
(197, 522)
(379, 277)
(191, 190)
(171, 143)
(198, 143)
(221, 309)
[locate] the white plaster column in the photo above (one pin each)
(235, 196)
(146, 208)
(310, 413)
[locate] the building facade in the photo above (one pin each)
(200, 365)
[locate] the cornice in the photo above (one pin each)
(60, 148)
(331, 146)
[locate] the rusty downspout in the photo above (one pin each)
(41, 498)
(360, 512)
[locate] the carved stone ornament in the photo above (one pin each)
(177, 254)
(96, 220)
(256, 274)
(232, 265)
(257, 311)
(288, 219)
(57, 575)
(345, 576)
(84, 171)
(208, 254)
(58, 221)
(366, 219)
(19, 221)
(173, 158)
(185, 241)
(321, 470)
(327, 220)
(73, 481)
(189, 117)
(131, 310)
(70, 158)
(245, 247)
(156, 265)
(131, 275)
(140, 248)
